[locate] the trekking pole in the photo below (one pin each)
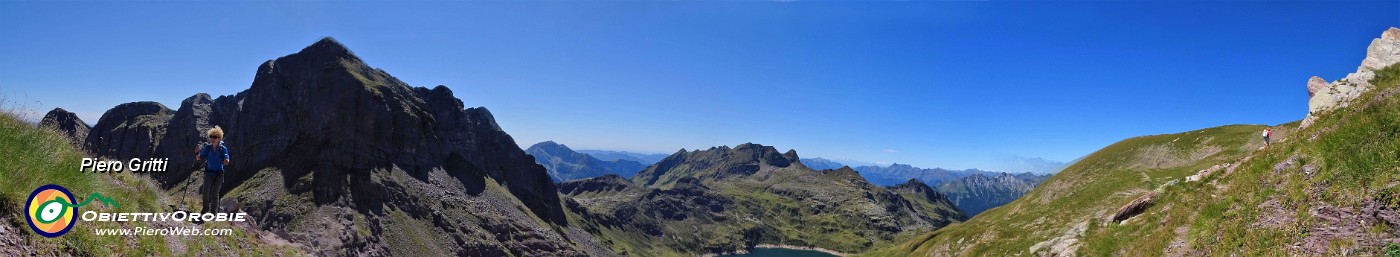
(185, 190)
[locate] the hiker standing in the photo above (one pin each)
(1266, 135)
(216, 157)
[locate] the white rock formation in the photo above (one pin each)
(1384, 51)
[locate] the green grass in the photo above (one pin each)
(1355, 157)
(33, 157)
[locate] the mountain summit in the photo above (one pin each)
(348, 159)
(730, 199)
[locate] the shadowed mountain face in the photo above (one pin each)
(565, 164)
(355, 161)
(726, 199)
(129, 130)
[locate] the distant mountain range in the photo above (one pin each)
(564, 164)
(1037, 165)
(899, 173)
(642, 158)
(971, 190)
(821, 164)
(979, 192)
(728, 199)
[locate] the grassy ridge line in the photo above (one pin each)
(1085, 193)
(32, 157)
(1349, 159)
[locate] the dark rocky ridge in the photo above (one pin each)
(130, 130)
(68, 123)
(605, 183)
(321, 125)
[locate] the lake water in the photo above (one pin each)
(779, 252)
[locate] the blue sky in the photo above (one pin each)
(933, 84)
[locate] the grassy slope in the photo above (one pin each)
(1355, 158)
(34, 157)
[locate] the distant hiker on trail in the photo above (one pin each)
(216, 156)
(1266, 134)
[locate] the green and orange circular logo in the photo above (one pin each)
(51, 210)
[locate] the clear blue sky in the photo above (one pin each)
(933, 84)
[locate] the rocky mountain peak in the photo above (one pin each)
(129, 130)
(68, 123)
(716, 162)
(791, 155)
(846, 171)
(565, 164)
(333, 131)
(328, 47)
(551, 146)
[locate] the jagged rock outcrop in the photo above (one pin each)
(130, 130)
(1316, 84)
(1382, 52)
(68, 123)
(352, 161)
(188, 128)
(565, 164)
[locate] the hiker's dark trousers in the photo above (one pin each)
(212, 181)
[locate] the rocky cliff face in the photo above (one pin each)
(728, 199)
(68, 123)
(565, 164)
(1323, 96)
(130, 130)
(357, 162)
